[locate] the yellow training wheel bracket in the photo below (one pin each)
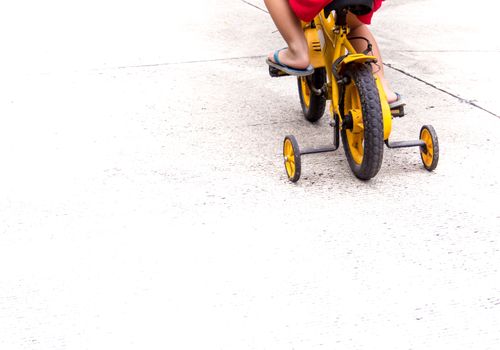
(428, 143)
(292, 155)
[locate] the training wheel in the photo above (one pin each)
(291, 156)
(430, 152)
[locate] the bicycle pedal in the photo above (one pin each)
(276, 73)
(398, 112)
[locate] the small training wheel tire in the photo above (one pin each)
(430, 152)
(291, 156)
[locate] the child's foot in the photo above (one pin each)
(395, 102)
(293, 65)
(288, 58)
(391, 96)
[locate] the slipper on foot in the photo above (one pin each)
(287, 69)
(398, 103)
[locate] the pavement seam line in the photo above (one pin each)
(469, 102)
(257, 7)
(191, 62)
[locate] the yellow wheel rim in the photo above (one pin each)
(289, 158)
(356, 136)
(306, 93)
(428, 155)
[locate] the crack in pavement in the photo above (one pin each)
(469, 102)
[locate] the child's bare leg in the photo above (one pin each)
(297, 54)
(360, 29)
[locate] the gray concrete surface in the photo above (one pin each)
(144, 203)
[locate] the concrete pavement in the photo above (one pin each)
(144, 202)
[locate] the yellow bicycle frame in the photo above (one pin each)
(327, 44)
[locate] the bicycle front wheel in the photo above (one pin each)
(362, 127)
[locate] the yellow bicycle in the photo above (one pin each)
(359, 111)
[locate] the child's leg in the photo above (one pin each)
(297, 54)
(358, 28)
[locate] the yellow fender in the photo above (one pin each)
(357, 57)
(386, 110)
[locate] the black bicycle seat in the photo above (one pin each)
(358, 7)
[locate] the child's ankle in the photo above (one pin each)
(301, 56)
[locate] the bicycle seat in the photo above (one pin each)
(358, 7)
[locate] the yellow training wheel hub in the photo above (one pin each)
(430, 152)
(289, 158)
(428, 155)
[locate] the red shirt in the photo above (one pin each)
(306, 10)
